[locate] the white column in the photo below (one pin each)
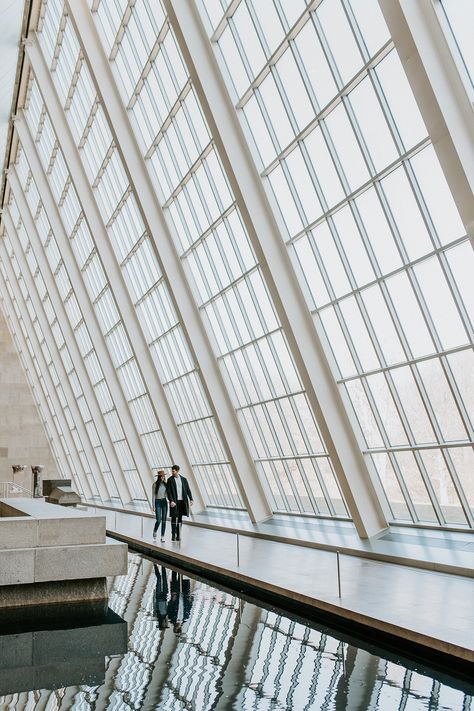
(115, 277)
(440, 94)
(76, 278)
(224, 413)
(38, 349)
(30, 227)
(359, 485)
(34, 382)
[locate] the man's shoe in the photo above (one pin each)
(173, 538)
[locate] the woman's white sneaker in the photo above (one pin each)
(162, 539)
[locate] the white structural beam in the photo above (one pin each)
(30, 228)
(360, 486)
(37, 345)
(115, 277)
(440, 93)
(75, 276)
(31, 374)
(224, 413)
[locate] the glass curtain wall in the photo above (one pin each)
(362, 205)
(146, 284)
(222, 268)
(372, 229)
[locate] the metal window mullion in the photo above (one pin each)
(254, 416)
(384, 277)
(220, 220)
(445, 268)
(458, 486)
(419, 296)
(263, 365)
(217, 276)
(231, 356)
(267, 121)
(436, 428)
(242, 278)
(284, 99)
(441, 356)
(187, 176)
(370, 398)
(318, 474)
(147, 67)
(307, 455)
(224, 335)
(290, 481)
(418, 447)
(116, 211)
(430, 326)
(273, 58)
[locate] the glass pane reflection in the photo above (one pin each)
(193, 646)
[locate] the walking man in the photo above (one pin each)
(180, 498)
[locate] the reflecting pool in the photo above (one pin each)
(194, 646)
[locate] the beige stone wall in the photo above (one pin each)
(22, 437)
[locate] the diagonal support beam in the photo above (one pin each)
(359, 485)
(190, 317)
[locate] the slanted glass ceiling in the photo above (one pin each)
(371, 227)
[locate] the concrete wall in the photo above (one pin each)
(22, 437)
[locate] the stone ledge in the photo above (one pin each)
(78, 562)
(31, 523)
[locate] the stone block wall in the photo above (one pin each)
(22, 436)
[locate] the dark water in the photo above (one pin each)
(187, 645)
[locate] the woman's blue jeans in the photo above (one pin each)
(161, 512)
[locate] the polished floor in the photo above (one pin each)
(192, 646)
(433, 608)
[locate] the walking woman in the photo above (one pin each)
(160, 503)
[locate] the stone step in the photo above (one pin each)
(21, 566)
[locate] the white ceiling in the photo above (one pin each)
(11, 16)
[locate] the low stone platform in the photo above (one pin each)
(44, 548)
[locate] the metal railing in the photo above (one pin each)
(10, 489)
